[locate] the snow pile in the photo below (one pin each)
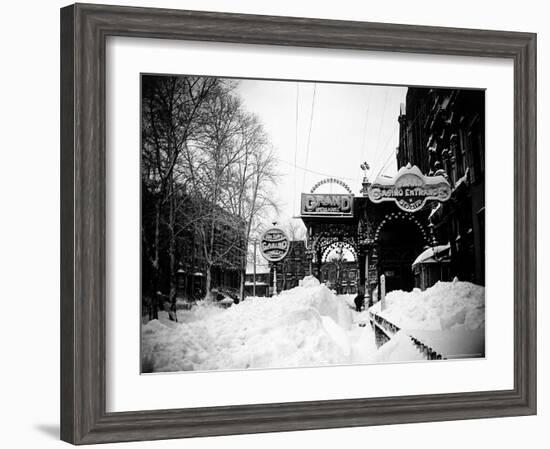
(399, 349)
(349, 299)
(311, 326)
(305, 326)
(444, 306)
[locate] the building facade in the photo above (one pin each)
(187, 250)
(435, 201)
(339, 275)
(442, 131)
(342, 277)
(259, 284)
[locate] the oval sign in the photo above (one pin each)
(410, 189)
(274, 245)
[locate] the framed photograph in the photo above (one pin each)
(273, 224)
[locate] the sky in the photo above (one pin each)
(321, 130)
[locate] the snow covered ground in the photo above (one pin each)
(305, 326)
(446, 305)
(449, 317)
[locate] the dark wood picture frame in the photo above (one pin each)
(84, 29)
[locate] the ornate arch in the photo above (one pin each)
(428, 237)
(331, 181)
(325, 241)
(340, 244)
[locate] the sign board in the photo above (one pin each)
(327, 204)
(274, 245)
(409, 189)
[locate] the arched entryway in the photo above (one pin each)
(339, 269)
(399, 238)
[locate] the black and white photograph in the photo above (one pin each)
(264, 224)
(301, 223)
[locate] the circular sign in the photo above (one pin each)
(274, 245)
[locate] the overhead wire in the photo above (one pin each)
(380, 128)
(315, 172)
(305, 168)
(309, 132)
(362, 147)
(393, 151)
(390, 155)
(296, 145)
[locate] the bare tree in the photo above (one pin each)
(230, 169)
(206, 171)
(249, 182)
(171, 116)
(295, 230)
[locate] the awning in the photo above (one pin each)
(434, 254)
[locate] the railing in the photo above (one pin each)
(384, 330)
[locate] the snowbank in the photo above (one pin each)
(305, 326)
(444, 306)
(448, 317)
(399, 349)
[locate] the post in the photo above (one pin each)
(274, 279)
(367, 295)
(254, 275)
(382, 292)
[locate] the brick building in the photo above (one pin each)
(442, 131)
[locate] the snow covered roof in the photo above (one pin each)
(408, 169)
(258, 284)
(433, 254)
(434, 211)
(463, 179)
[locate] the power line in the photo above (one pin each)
(309, 133)
(394, 150)
(328, 175)
(381, 122)
(362, 147)
(296, 145)
(391, 152)
(380, 154)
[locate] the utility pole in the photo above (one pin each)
(274, 279)
(368, 301)
(254, 275)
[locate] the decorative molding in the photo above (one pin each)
(331, 181)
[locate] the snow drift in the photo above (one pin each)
(449, 317)
(305, 326)
(444, 306)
